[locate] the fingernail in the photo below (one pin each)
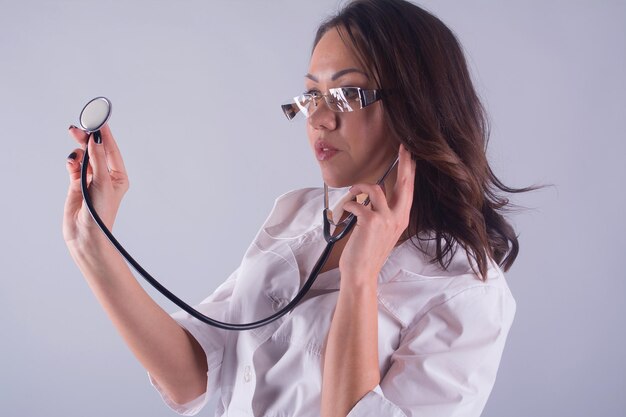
(71, 127)
(72, 156)
(97, 138)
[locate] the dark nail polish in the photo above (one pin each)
(72, 155)
(97, 137)
(71, 127)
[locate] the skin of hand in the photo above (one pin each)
(380, 224)
(107, 184)
(351, 352)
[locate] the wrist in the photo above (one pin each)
(359, 283)
(103, 266)
(92, 251)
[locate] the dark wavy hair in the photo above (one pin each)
(432, 108)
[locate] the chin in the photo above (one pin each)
(337, 181)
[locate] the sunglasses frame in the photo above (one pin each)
(365, 98)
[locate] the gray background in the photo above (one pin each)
(196, 88)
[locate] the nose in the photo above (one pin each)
(322, 117)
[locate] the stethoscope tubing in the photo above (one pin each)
(331, 240)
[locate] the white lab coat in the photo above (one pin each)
(441, 333)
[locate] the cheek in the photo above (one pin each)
(310, 133)
(370, 131)
(377, 121)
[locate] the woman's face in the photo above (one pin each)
(351, 147)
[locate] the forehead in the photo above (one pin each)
(332, 54)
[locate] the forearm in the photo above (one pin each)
(172, 357)
(351, 354)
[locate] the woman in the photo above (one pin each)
(410, 314)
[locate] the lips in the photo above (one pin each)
(324, 150)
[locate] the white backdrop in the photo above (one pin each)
(196, 87)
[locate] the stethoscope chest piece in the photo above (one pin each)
(94, 115)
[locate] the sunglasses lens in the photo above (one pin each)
(290, 110)
(343, 99)
(304, 103)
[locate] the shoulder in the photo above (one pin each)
(420, 287)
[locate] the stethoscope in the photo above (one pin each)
(93, 116)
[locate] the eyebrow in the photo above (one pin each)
(338, 74)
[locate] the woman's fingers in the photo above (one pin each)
(106, 180)
(113, 154)
(79, 135)
(74, 167)
(73, 164)
(114, 159)
(74, 198)
(405, 180)
(358, 209)
(400, 202)
(375, 192)
(378, 201)
(98, 162)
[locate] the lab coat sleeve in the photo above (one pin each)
(446, 363)
(211, 339)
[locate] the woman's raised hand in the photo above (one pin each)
(107, 184)
(171, 356)
(379, 225)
